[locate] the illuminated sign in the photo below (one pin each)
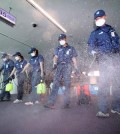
(7, 16)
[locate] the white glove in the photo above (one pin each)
(93, 52)
(84, 73)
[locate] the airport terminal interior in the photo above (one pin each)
(28, 25)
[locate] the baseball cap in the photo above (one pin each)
(99, 13)
(32, 49)
(17, 54)
(61, 36)
(4, 55)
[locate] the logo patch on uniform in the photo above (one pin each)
(113, 34)
(6, 65)
(98, 12)
(60, 49)
(101, 33)
(68, 52)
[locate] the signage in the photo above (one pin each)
(7, 16)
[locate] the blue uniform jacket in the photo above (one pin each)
(35, 62)
(65, 54)
(7, 67)
(104, 40)
(19, 65)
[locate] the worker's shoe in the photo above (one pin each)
(115, 111)
(102, 115)
(7, 100)
(37, 102)
(17, 101)
(49, 105)
(29, 103)
(65, 106)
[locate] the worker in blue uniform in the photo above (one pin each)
(104, 43)
(18, 67)
(37, 63)
(64, 56)
(6, 68)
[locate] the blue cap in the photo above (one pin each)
(17, 54)
(99, 13)
(4, 55)
(62, 36)
(32, 50)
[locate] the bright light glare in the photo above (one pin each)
(47, 15)
(94, 73)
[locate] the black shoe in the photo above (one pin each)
(1, 100)
(79, 103)
(7, 100)
(66, 106)
(49, 105)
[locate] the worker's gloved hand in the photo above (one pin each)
(42, 75)
(54, 66)
(115, 50)
(13, 76)
(0, 70)
(8, 79)
(93, 52)
(84, 73)
(76, 72)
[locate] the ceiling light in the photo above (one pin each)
(34, 4)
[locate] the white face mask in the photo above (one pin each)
(4, 59)
(100, 22)
(33, 54)
(62, 42)
(17, 58)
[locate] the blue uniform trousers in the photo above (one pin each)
(109, 68)
(63, 71)
(116, 83)
(20, 87)
(36, 77)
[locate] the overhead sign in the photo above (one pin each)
(7, 16)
